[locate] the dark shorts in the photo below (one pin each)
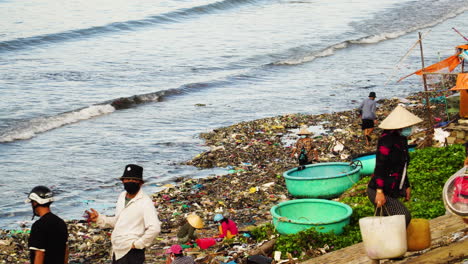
(367, 123)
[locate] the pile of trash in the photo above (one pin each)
(255, 155)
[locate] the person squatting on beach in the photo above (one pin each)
(367, 112)
(176, 256)
(304, 148)
(389, 181)
(135, 223)
(187, 230)
(227, 227)
(49, 234)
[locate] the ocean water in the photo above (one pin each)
(87, 87)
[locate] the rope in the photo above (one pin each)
(381, 210)
(353, 163)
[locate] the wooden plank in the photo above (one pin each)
(440, 227)
(452, 252)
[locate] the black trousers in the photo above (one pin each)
(134, 256)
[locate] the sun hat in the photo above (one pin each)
(218, 217)
(133, 171)
(372, 94)
(176, 249)
(304, 131)
(195, 221)
(399, 118)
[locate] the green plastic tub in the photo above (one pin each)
(296, 215)
(321, 180)
(368, 161)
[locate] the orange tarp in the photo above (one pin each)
(462, 86)
(462, 82)
(464, 103)
(451, 63)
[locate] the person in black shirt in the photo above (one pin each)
(389, 181)
(49, 235)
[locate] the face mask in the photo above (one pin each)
(132, 187)
(406, 131)
(303, 136)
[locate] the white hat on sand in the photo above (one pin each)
(400, 118)
(304, 131)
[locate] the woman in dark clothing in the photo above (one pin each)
(389, 181)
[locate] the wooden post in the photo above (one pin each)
(430, 133)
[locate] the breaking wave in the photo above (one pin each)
(454, 11)
(30, 128)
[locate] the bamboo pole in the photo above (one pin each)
(430, 133)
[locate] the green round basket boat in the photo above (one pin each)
(368, 161)
(322, 180)
(296, 215)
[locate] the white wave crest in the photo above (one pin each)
(322, 53)
(368, 40)
(36, 126)
(378, 38)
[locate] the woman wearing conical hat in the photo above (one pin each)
(389, 181)
(187, 232)
(304, 147)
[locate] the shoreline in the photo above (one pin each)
(255, 153)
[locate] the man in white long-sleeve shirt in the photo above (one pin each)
(135, 223)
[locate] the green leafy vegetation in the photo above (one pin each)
(429, 169)
(264, 232)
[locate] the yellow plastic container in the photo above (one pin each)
(418, 234)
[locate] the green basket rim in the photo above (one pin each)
(348, 208)
(289, 177)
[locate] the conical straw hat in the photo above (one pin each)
(195, 221)
(399, 118)
(304, 131)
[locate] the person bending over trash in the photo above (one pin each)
(187, 230)
(227, 227)
(135, 223)
(304, 147)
